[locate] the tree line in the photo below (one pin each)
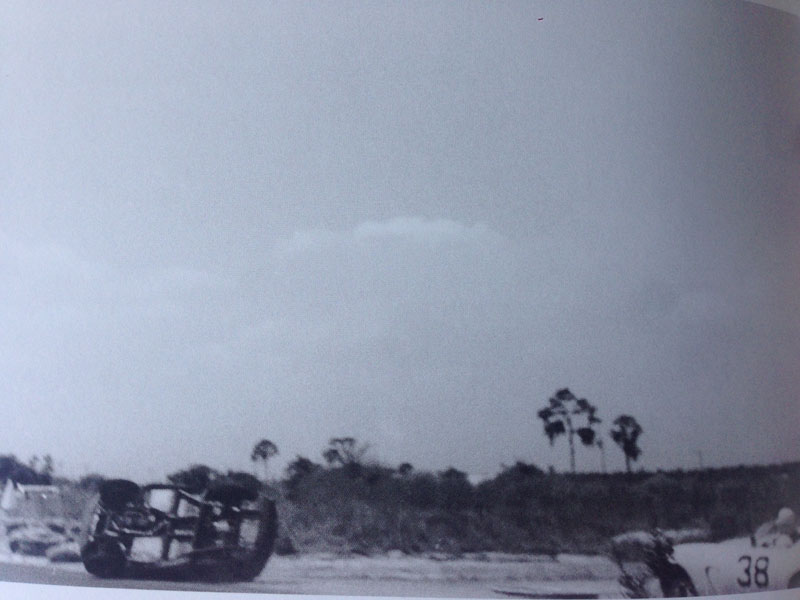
(35, 471)
(343, 502)
(565, 414)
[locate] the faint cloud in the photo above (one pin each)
(417, 228)
(36, 274)
(305, 240)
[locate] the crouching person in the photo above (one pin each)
(781, 532)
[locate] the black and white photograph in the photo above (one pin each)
(414, 299)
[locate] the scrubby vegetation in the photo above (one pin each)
(347, 504)
(369, 508)
(35, 471)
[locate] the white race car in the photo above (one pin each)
(729, 567)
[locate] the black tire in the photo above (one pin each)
(104, 558)
(101, 557)
(679, 585)
(231, 494)
(794, 581)
(116, 493)
(251, 566)
(14, 546)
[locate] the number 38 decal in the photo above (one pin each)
(753, 571)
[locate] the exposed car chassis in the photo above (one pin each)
(163, 531)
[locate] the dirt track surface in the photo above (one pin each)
(361, 576)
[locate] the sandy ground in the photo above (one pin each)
(477, 576)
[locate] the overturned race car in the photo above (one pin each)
(732, 566)
(225, 533)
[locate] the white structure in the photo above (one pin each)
(24, 499)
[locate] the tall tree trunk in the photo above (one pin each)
(571, 438)
(572, 450)
(628, 463)
(603, 458)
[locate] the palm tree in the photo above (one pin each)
(561, 416)
(626, 434)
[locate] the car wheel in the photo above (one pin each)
(794, 582)
(251, 566)
(678, 585)
(116, 493)
(230, 493)
(14, 546)
(104, 558)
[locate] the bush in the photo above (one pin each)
(724, 526)
(374, 508)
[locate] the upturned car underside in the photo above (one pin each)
(227, 532)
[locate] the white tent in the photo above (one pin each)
(7, 500)
(38, 500)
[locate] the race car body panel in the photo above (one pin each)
(738, 565)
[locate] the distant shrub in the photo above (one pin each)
(454, 491)
(724, 526)
(421, 490)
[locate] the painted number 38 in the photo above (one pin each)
(753, 571)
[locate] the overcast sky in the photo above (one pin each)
(405, 222)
